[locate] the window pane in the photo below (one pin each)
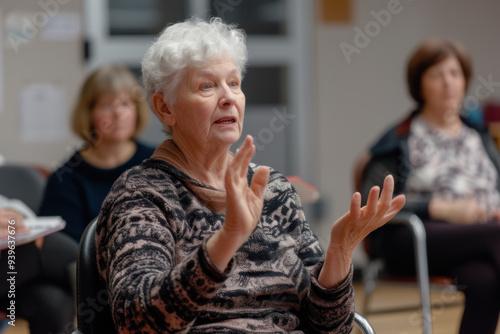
(262, 17)
(265, 85)
(145, 17)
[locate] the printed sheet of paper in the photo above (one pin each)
(38, 227)
(62, 27)
(43, 113)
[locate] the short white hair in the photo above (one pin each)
(191, 43)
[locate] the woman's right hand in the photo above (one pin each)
(467, 211)
(243, 206)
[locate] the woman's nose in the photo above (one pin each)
(227, 97)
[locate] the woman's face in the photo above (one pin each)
(114, 117)
(210, 105)
(443, 85)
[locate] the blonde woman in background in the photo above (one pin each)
(109, 115)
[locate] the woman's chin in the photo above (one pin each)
(228, 139)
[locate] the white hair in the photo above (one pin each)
(191, 43)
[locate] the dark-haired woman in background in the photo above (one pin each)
(448, 169)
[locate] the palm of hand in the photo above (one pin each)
(244, 203)
(356, 224)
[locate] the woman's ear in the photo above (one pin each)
(164, 113)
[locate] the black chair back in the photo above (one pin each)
(93, 312)
(23, 183)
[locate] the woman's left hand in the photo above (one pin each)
(244, 203)
(243, 206)
(349, 230)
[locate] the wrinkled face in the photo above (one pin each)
(443, 85)
(210, 105)
(114, 117)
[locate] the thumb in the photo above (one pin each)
(259, 181)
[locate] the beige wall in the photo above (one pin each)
(356, 100)
(34, 54)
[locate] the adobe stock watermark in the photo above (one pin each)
(373, 28)
(277, 124)
(89, 309)
(483, 90)
(30, 25)
(449, 296)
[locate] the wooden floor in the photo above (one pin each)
(446, 319)
(447, 310)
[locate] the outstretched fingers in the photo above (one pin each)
(372, 201)
(387, 189)
(244, 156)
(389, 206)
(397, 204)
(384, 207)
(259, 181)
(355, 209)
(239, 166)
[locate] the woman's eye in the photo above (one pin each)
(104, 106)
(206, 86)
(234, 84)
(455, 73)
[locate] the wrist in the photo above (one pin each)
(336, 267)
(221, 249)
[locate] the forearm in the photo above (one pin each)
(330, 310)
(178, 293)
(221, 248)
(336, 267)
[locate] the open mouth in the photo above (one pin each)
(226, 120)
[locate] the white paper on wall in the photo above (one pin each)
(43, 113)
(63, 26)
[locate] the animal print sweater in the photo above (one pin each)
(151, 238)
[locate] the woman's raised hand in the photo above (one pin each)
(356, 224)
(350, 229)
(243, 206)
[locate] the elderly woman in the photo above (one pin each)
(198, 240)
(110, 113)
(448, 168)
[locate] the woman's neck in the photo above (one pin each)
(206, 164)
(448, 121)
(108, 155)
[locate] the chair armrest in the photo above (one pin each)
(363, 324)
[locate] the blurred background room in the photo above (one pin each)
(325, 79)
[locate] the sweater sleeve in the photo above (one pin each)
(150, 292)
(323, 310)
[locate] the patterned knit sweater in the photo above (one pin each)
(151, 239)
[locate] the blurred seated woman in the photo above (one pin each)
(109, 115)
(43, 294)
(199, 240)
(448, 169)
